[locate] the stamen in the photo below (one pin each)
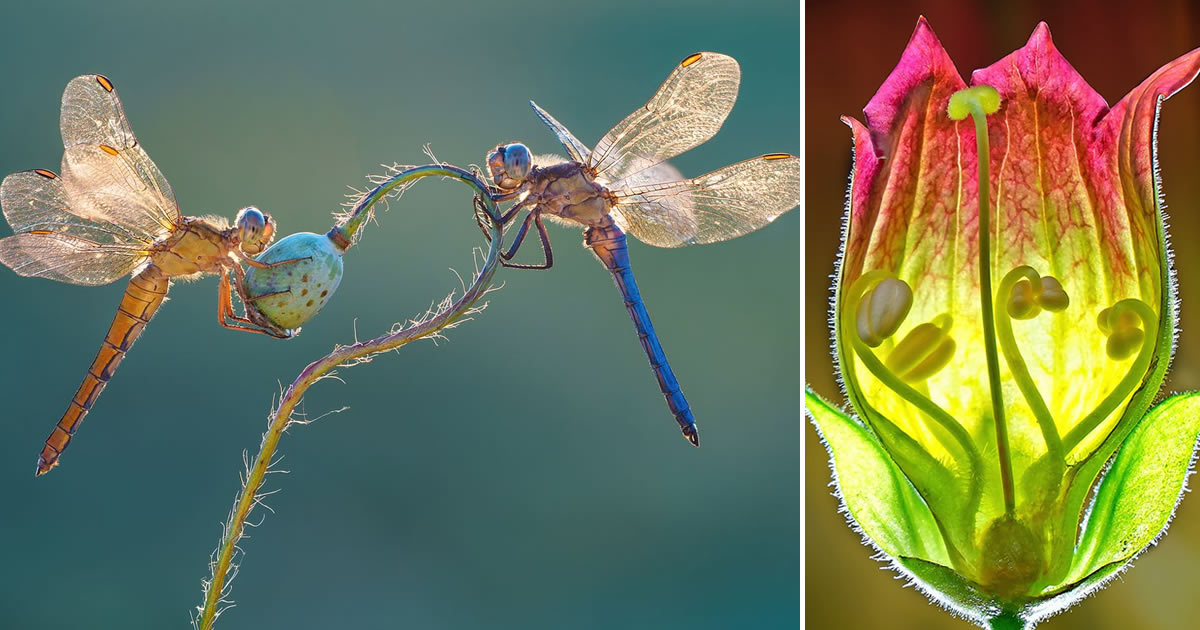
(1032, 294)
(882, 310)
(1022, 301)
(1053, 297)
(851, 309)
(923, 352)
(1124, 321)
(1028, 295)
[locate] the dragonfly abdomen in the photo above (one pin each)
(608, 243)
(143, 296)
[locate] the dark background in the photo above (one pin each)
(850, 50)
(524, 474)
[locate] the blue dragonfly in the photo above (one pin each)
(625, 184)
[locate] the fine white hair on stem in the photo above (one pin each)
(441, 315)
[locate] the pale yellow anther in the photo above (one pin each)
(924, 351)
(1053, 298)
(1124, 330)
(1110, 320)
(1123, 344)
(1023, 301)
(1026, 299)
(882, 310)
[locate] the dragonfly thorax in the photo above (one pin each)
(195, 247)
(568, 191)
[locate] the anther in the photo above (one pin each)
(882, 310)
(1027, 299)
(1125, 335)
(924, 351)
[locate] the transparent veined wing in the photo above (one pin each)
(92, 115)
(67, 258)
(721, 205)
(103, 184)
(37, 201)
(687, 110)
(576, 149)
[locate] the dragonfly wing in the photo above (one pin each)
(67, 258)
(688, 109)
(37, 201)
(721, 205)
(107, 185)
(576, 149)
(92, 115)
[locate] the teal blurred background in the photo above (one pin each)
(1115, 46)
(523, 474)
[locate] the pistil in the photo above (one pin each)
(977, 102)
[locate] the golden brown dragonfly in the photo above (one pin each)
(111, 213)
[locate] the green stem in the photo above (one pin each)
(1007, 621)
(353, 222)
(985, 299)
(223, 567)
(1016, 363)
(1132, 379)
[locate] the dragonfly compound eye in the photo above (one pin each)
(508, 165)
(255, 229)
(517, 161)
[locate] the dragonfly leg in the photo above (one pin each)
(547, 251)
(512, 212)
(508, 196)
(226, 312)
(518, 239)
(481, 212)
(262, 265)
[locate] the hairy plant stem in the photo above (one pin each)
(1006, 621)
(223, 567)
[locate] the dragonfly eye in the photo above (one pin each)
(255, 230)
(509, 164)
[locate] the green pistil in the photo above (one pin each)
(978, 102)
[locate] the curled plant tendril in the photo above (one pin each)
(223, 566)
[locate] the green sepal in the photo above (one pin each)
(1137, 496)
(876, 496)
(972, 602)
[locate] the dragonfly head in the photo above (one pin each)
(509, 164)
(255, 230)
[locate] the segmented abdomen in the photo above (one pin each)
(608, 242)
(142, 298)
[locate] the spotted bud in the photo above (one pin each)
(924, 351)
(882, 310)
